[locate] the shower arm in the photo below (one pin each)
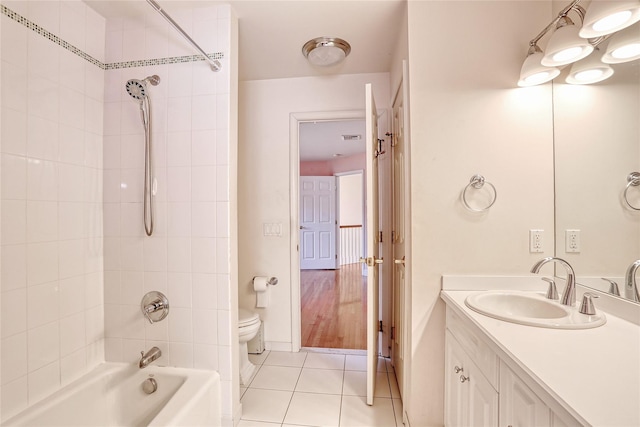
(215, 64)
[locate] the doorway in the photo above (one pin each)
(331, 218)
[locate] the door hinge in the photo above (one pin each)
(393, 236)
(380, 330)
(393, 332)
(380, 237)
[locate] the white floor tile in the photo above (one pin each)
(320, 381)
(393, 382)
(382, 365)
(314, 410)
(281, 358)
(258, 359)
(382, 385)
(324, 361)
(265, 405)
(397, 409)
(276, 378)
(355, 363)
(249, 423)
(242, 390)
(355, 412)
(355, 383)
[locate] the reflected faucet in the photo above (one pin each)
(631, 286)
(569, 293)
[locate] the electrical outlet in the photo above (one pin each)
(572, 241)
(536, 241)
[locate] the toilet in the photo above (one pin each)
(248, 326)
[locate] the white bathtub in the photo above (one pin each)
(112, 395)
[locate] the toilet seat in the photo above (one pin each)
(247, 318)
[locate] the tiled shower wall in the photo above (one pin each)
(51, 198)
(187, 257)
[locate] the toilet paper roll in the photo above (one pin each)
(261, 287)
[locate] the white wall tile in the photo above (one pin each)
(44, 346)
(131, 219)
(205, 291)
(113, 349)
(42, 263)
(204, 112)
(42, 307)
(42, 138)
(203, 255)
(179, 114)
(180, 80)
(133, 322)
(71, 256)
(132, 287)
(72, 70)
(72, 108)
(14, 312)
(203, 183)
(224, 363)
(14, 42)
(42, 221)
(43, 97)
(114, 41)
(72, 334)
(94, 116)
(181, 325)
(158, 331)
(132, 151)
(204, 219)
(131, 185)
(224, 327)
(203, 148)
(224, 298)
(178, 219)
(14, 177)
(222, 255)
(14, 222)
(131, 253)
(71, 145)
(205, 356)
(14, 357)
(179, 289)
(42, 180)
(179, 148)
(157, 40)
(14, 267)
(181, 354)
(14, 131)
(73, 366)
(43, 57)
(179, 184)
(14, 87)
(112, 118)
(155, 254)
(14, 397)
(179, 254)
(43, 382)
(95, 36)
(72, 296)
(205, 326)
(155, 281)
(133, 43)
(222, 219)
(94, 78)
(131, 350)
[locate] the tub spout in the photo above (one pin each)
(149, 357)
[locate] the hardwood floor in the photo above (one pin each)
(334, 308)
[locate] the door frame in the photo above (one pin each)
(294, 167)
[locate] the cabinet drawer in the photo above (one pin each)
(486, 360)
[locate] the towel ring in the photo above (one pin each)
(477, 181)
(633, 180)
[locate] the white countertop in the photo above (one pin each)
(592, 373)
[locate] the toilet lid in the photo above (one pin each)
(246, 317)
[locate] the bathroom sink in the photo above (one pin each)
(531, 308)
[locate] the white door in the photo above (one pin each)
(318, 223)
(373, 246)
(398, 237)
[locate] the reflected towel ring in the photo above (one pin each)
(477, 181)
(633, 180)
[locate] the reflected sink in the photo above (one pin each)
(531, 308)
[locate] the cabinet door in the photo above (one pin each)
(455, 393)
(470, 400)
(519, 406)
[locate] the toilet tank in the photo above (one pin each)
(256, 345)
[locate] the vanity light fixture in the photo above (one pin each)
(565, 45)
(589, 70)
(326, 51)
(606, 17)
(623, 46)
(533, 72)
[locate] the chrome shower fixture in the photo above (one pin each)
(138, 88)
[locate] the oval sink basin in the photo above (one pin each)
(530, 308)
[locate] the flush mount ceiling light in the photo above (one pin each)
(606, 17)
(533, 72)
(589, 70)
(623, 46)
(565, 45)
(326, 51)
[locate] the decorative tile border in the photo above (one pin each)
(104, 66)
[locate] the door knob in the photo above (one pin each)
(371, 261)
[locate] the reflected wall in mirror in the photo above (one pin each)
(597, 145)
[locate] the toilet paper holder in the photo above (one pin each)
(272, 280)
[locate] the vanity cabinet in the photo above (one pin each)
(482, 390)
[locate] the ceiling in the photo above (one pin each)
(271, 35)
(323, 140)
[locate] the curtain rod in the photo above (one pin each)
(215, 64)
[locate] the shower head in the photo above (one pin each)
(138, 88)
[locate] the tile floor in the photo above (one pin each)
(318, 389)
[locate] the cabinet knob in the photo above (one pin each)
(458, 369)
(464, 379)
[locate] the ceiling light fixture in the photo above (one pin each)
(623, 46)
(326, 51)
(533, 72)
(565, 45)
(606, 17)
(589, 70)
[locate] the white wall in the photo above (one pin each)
(468, 116)
(52, 287)
(264, 178)
(188, 257)
(351, 199)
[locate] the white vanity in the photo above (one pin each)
(504, 374)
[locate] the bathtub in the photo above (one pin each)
(112, 395)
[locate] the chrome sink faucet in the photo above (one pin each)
(631, 286)
(569, 294)
(149, 357)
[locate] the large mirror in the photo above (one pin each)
(597, 145)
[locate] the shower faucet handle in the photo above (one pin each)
(154, 306)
